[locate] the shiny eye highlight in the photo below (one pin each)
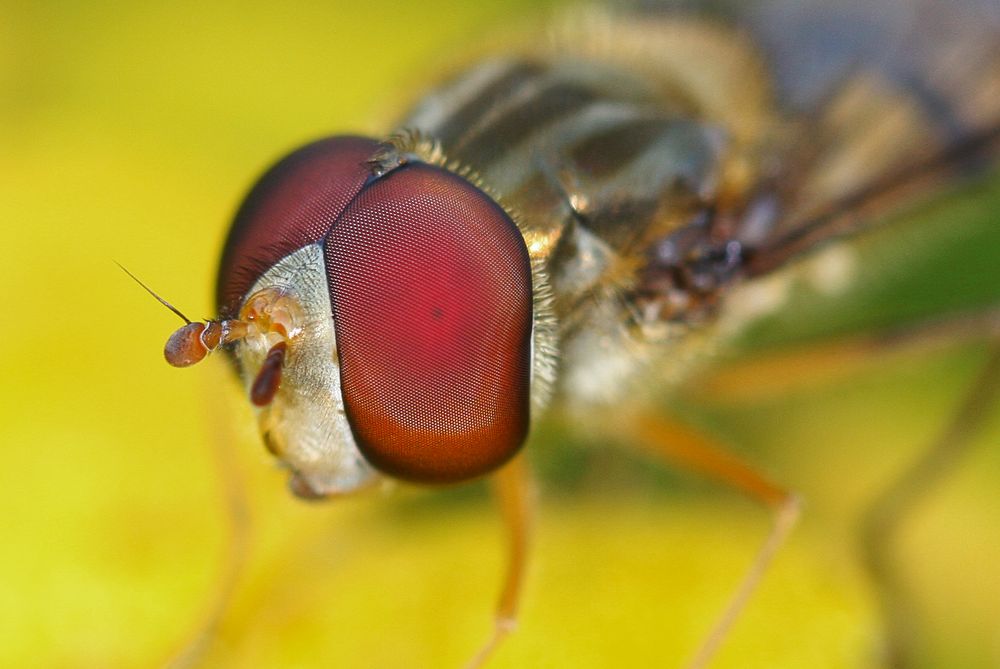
(430, 284)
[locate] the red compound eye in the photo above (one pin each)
(293, 205)
(430, 284)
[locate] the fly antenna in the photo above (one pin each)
(151, 292)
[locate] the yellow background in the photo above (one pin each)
(129, 132)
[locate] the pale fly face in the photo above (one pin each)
(304, 423)
(381, 310)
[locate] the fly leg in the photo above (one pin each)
(814, 364)
(684, 445)
(195, 650)
(515, 494)
(776, 373)
(890, 510)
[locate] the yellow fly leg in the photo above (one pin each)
(889, 512)
(794, 367)
(788, 370)
(516, 498)
(195, 650)
(681, 444)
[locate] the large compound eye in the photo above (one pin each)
(430, 283)
(293, 205)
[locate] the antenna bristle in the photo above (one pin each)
(158, 298)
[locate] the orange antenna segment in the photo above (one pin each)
(268, 379)
(191, 343)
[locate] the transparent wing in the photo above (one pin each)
(885, 100)
(889, 100)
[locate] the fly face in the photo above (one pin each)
(299, 400)
(380, 309)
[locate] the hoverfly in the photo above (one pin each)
(562, 231)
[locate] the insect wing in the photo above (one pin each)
(890, 100)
